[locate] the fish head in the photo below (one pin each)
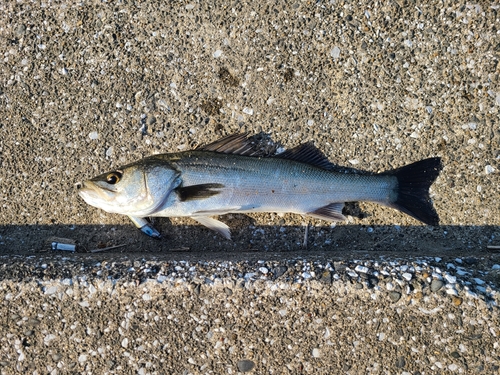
(137, 189)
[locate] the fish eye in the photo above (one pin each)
(113, 177)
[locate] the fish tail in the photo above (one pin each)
(414, 181)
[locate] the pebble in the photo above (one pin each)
(335, 52)
(407, 276)
(93, 135)
(326, 277)
(263, 270)
(316, 353)
(400, 362)
(450, 279)
(279, 271)
(489, 169)
(478, 281)
(245, 365)
(352, 274)
(394, 296)
(362, 269)
(436, 285)
(457, 301)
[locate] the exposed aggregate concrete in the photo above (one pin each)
(294, 316)
(88, 86)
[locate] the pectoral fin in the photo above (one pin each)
(145, 227)
(188, 193)
(331, 212)
(215, 225)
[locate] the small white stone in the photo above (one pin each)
(453, 367)
(316, 353)
(82, 358)
(407, 276)
(310, 122)
(161, 278)
(51, 290)
(47, 339)
(217, 54)
(451, 279)
(189, 6)
(354, 161)
(360, 268)
(451, 292)
(335, 52)
(479, 188)
(248, 111)
(146, 297)
(263, 270)
(352, 273)
(496, 267)
(93, 135)
(125, 342)
(489, 169)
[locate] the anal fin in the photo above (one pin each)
(330, 212)
(215, 225)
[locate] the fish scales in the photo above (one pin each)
(254, 184)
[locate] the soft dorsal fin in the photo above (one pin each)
(237, 144)
(307, 153)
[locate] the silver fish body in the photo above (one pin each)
(223, 178)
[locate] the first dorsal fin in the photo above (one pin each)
(237, 144)
(307, 153)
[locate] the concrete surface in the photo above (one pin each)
(86, 87)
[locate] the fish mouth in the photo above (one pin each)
(91, 193)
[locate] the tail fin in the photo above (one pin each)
(414, 181)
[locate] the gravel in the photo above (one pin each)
(120, 314)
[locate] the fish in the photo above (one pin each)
(228, 176)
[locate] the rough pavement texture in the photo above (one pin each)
(80, 314)
(87, 87)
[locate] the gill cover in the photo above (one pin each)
(137, 189)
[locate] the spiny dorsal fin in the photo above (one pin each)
(307, 153)
(237, 144)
